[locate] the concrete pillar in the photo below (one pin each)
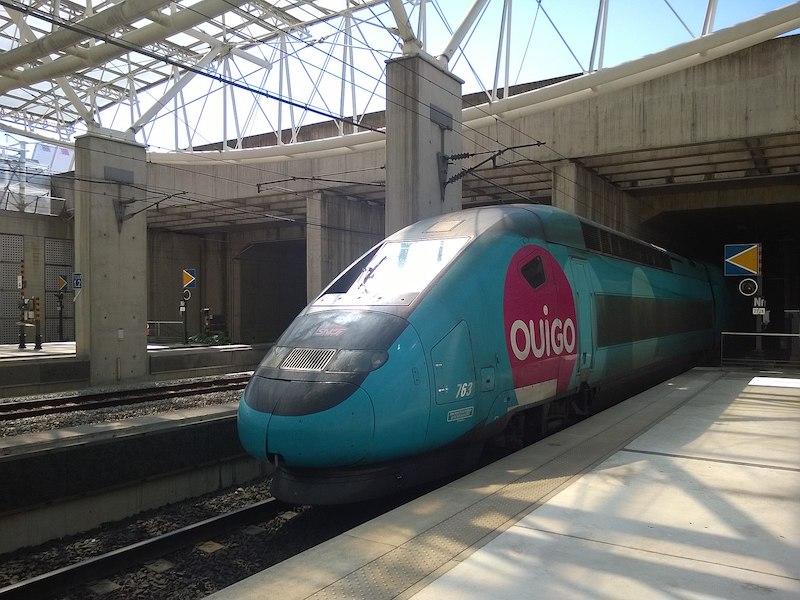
(111, 255)
(581, 192)
(340, 229)
(423, 124)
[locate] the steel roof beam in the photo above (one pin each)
(174, 90)
(462, 30)
(97, 55)
(411, 44)
(212, 41)
(711, 13)
(27, 33)
(61, 39)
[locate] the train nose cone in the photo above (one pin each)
(338, 435)
(252, 426)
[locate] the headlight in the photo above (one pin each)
(357, 361)
(275, 357)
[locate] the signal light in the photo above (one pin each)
(37, 313)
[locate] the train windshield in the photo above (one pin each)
(395, 274)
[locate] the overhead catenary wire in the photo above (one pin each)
(157, 196)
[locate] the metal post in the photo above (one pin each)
(21, 286)
(22, 345)
(759, 318)
(37, 320)
(185, 323)
(60, 316)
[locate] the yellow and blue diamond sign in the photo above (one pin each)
(742, 259)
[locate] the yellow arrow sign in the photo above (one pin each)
(744, 257)
(189, 278)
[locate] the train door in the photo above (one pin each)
(539, 316)
(453, 367)
(582, 285)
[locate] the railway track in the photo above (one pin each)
(37, 407)
(59, 580)
(318, 527)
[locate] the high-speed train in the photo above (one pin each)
(458, 329)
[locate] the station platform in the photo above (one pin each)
(688, 490)
(65, 481)
(48, 349)
(55, 367)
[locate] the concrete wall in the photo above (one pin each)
(238, 276)
(233, 286)
(750, 93)
(40, 279)
(583, 193)
(250, 280)
(168, 255)
(253, 184)
(340, 230)
(273, 288)
(703, 199)
(676, 219)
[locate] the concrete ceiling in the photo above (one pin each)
(763, 160)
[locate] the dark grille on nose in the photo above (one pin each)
(307, 359)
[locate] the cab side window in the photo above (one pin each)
(533, 272)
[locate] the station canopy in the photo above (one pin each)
(190, 76)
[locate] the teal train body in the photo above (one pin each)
(461, 328)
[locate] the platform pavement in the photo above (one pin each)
(689, 490)
(56, 367)
(48, 349)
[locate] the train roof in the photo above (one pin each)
(530, 220)
(544, 222)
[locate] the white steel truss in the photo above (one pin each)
(192, 75)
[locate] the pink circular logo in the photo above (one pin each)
(540, 323)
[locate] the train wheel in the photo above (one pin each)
(581, 403)
(554, 416)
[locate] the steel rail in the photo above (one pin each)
(49, 584)
(32, 408)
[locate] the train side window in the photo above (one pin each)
(533, 272)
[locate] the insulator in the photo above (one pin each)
(457, 176)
